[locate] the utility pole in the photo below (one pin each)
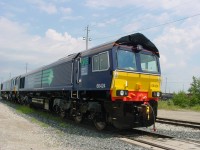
(87, 37)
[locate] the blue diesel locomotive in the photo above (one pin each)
(117, 83)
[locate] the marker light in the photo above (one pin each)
(122, 92)
(139, 47)
(156, 94)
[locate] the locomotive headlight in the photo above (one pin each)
(156, 94)
(122, 93)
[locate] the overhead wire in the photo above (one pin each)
(141, 6)
(146, 10)
(155, 26)
(147, 28)
(105, 19)
(119, 15)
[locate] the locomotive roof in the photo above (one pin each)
(129, 40)
(60, 61)
(138, 39)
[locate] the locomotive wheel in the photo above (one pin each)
(78, 118)
(56, 109)
(62, 113)
(100, 125)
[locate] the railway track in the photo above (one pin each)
(157, 141)
(190, 124)
(149, 140)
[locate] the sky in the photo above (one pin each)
(36, 33)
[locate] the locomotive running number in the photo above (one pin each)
(101, 85)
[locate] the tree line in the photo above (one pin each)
(191, 99)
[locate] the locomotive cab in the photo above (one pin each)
(135, 87)
(136, 75)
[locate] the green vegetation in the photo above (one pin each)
(169, 105)
(194, 90)
(42, 124)
(25, 110)
(181, 100)
(47, 116)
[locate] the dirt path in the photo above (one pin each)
(180, 115)
(17, 133)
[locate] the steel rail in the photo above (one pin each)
(130, 136)
(154, 140)
(189, 124)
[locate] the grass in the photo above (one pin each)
(63, 125)
(30, 111)
(40, 123)
(169, 105)
(196, 108)
(25, 110)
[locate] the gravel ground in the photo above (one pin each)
(72, 136)
(176, 131)
(17, 131)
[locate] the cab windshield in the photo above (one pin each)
(127, 61)
(148, 63)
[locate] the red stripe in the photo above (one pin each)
(135, 96)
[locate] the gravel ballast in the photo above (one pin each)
(17, 131)
(184, 133)
(176, 131)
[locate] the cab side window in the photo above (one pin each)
(100, 62)
(95, 63)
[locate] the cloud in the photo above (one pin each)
(96, 15)
(52, 7)
(49, 8)
(178, 7)
(73, 18)
(119, 3)
(18, 47)
(62, 1)
(131, 27)
(65, 10)
(11, 8)
(179, 49)
(105, 23)
(107, 3)
(9, 26)
(143, 22)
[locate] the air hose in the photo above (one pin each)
(154, 117)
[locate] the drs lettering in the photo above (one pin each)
(101, 85)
